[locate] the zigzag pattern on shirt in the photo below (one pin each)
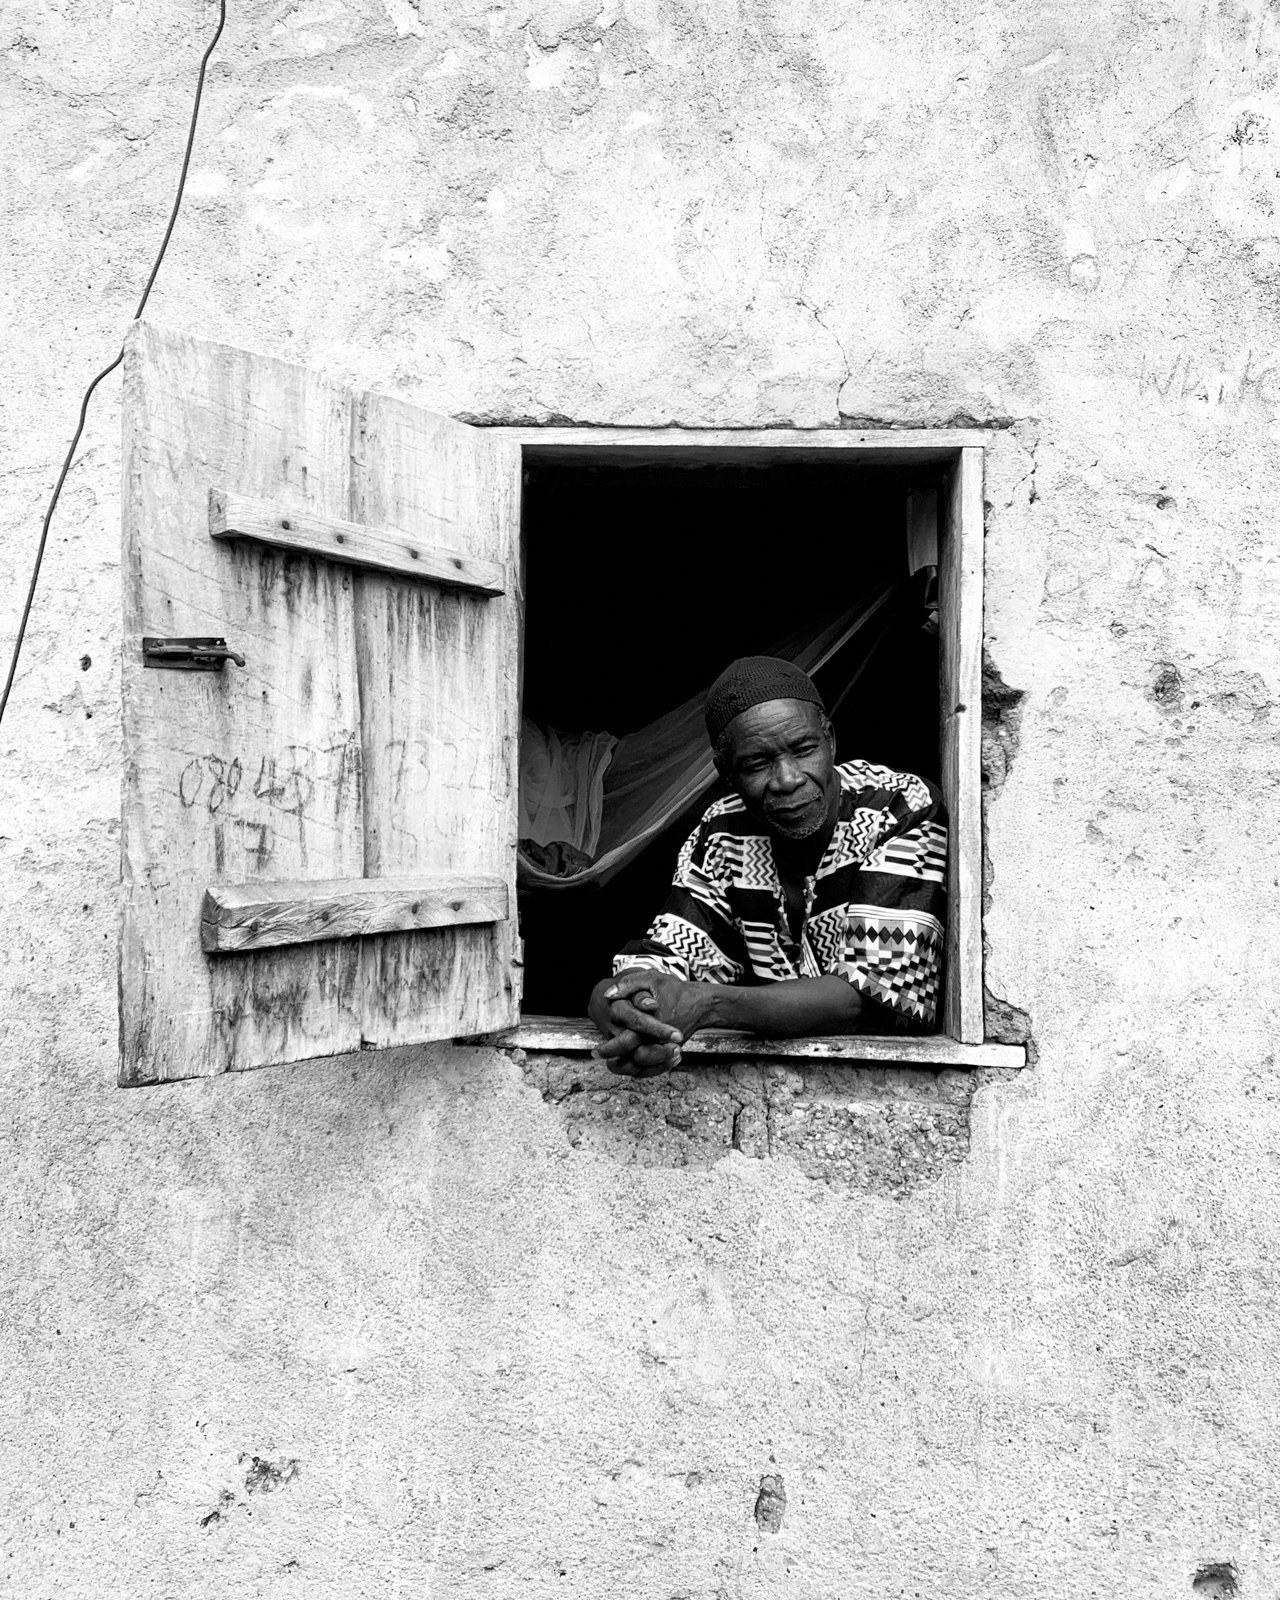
(699, 957)
(701, 884)
(724, 807)
(866, 775)
(749, 859)
(921, 854)
(667, 964)
(825, 933)
(768, 959)
(852, 842)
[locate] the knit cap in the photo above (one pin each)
(750, 681)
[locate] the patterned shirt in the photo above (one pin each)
(873, 911)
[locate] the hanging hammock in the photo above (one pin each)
(592, 804)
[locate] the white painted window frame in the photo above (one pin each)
(961, 1040)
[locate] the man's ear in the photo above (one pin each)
(722, 767)
(830, 732)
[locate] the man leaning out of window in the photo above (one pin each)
(809, 900)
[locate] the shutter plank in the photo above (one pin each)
(236, 516)
(255, 916)
(439, 717)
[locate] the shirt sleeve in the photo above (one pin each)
(894, 921)
(693, 936)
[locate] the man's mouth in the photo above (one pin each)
(791, 813)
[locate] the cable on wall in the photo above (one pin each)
(106, 371)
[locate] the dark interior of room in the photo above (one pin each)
(644, 581)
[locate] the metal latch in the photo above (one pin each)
(189, 655)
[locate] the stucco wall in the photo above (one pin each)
(381, 1326)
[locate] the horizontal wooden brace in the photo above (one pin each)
(258, 916)
(236, 516)
(567, 1035)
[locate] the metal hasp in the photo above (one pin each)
(189, 655)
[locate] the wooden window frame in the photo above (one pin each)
(961, 1040)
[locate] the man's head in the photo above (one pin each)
(774, 745)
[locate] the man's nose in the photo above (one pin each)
(786, 777)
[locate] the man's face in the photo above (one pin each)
(780, 758)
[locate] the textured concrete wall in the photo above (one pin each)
(422, 1324)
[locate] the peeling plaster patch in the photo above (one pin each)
(294, 232)
(1044, 63)
(225, 1502)
(546, 69)
(771, 1503)
(1168, 185)
(1001, 727)
(1218, 1580)
(404, 17)
(1166, 687)
(430, 261)
(320, 91)
(448, 66)
(312, 28)
(272, 217)
(1081, 253)
(92, 164)
(311, 44)
(309, 16)
(1008, 1024)
(263, 1476)
(1250, 127)
(205, 183)
(1078, 240)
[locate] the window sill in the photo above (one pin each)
(572, 1035)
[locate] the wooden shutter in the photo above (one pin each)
(319, 846)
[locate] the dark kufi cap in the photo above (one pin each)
(750, 681)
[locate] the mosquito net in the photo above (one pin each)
(590, 803)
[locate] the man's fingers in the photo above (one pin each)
(628, 984)
(624, 1012)
(657, 1057)
(648, 1061)
(623, 1043)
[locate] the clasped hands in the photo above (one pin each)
(646, 1015)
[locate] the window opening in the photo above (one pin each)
(642, 581)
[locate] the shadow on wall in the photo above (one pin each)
(879, 1130)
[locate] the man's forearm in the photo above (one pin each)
(781, 1010)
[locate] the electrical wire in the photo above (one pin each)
(106, 371)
